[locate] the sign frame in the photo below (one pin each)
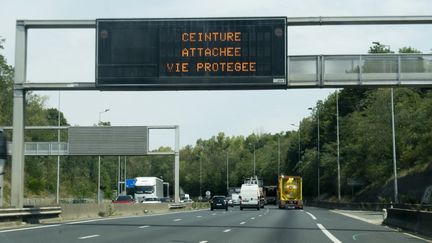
(205, 81)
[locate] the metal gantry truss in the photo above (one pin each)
(303, 71)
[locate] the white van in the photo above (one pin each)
(250, 196)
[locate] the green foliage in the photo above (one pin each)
(365, 145)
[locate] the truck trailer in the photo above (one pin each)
(148, 187)
(290, 192)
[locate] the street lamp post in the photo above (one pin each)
(227, 170)
(200, 177)
(338, 152)
(58, 153)
(318, 149)
(396, 196)
(99, 182)
(299, 141)
(278, 156)
(100, 114)
(253, 160)
(99, 161)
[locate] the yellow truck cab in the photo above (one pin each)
(290, 192)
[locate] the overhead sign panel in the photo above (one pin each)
(108, 140)
(176, 54)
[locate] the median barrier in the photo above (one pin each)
(29, 215)
(411, 220)
(93, 210)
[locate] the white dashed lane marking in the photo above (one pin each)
(88, 237)
(328, 234)
(312, 216)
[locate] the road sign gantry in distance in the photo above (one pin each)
(198, 54)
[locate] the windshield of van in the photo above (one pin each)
(144, 189)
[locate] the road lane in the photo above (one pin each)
(270, 225)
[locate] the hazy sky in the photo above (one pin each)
(68, 56)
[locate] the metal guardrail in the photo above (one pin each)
(31, 215)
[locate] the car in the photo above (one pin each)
(235, 198)
(124, 199)
(219, 202)
(80, 200)
(151, 200)
(166, 199)
(230, 202)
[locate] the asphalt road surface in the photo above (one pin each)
(266, 225)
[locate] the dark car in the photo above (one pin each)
(219, 202)
(124, 199)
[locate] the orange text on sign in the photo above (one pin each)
(226, 67)
(211, 52)
(211, 36)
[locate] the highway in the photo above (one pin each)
(266, 225)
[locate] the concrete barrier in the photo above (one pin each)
(411, 220)
(91, 210)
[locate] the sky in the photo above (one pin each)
(69, 56)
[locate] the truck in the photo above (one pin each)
(290, 192)
(148, 187)
(270, 194)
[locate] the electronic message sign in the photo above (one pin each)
(181, 54)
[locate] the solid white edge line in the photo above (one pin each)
(88, 237)
(30, 228)
(312, 216)
(417, 237)
(328, 234)
(358, 218)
